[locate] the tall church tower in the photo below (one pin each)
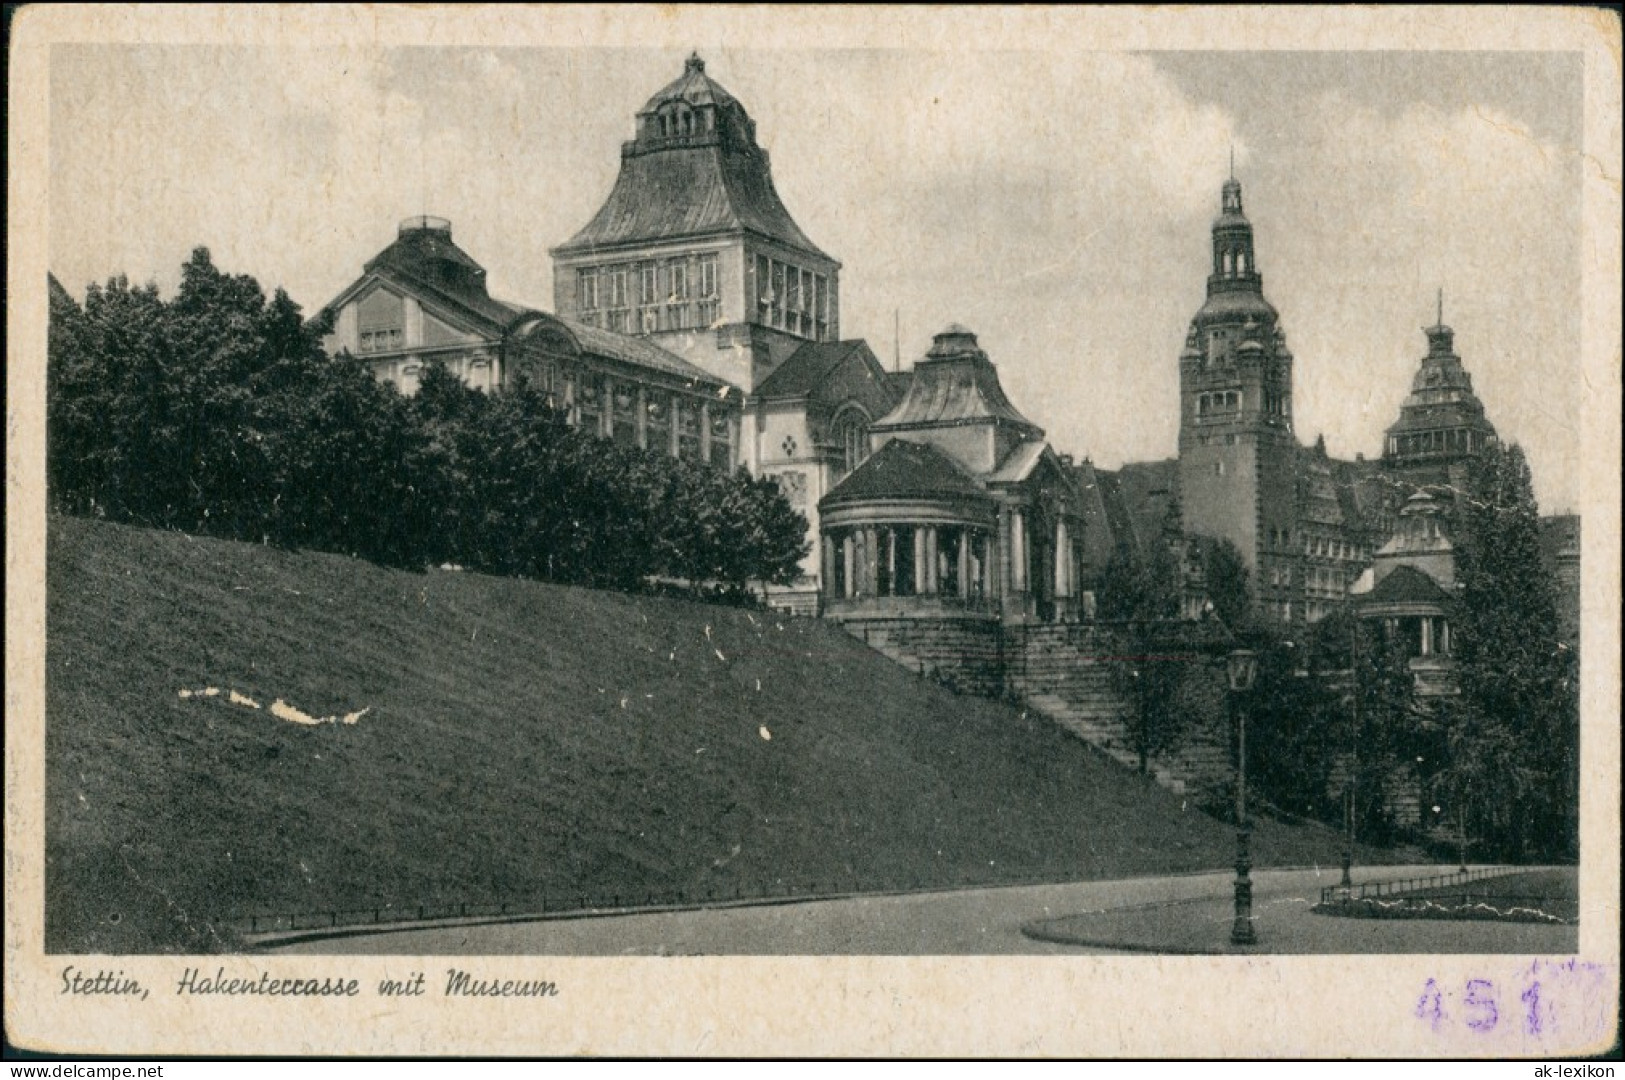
(694, 250)
(1236, 446)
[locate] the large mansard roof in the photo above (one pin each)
(955, 383)
(694, 169)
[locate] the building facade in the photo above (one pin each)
(423, 300)
(962, 511)
(694, 249)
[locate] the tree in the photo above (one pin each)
(1142, 593)
(220, 412)
(1515, 731)
(1298, 724)
(1224, 576)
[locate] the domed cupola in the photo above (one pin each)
(693, 110)
(1235, 288)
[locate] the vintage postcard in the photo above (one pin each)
(688, 531)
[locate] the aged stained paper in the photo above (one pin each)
(944, 121)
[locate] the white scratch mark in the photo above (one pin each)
(767, 736)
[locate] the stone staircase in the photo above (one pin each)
(1064, 672)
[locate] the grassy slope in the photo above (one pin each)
(523, 739)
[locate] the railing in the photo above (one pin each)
(566, 904)
(1372, 890)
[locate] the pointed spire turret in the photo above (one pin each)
(1442, 420)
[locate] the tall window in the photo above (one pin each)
(590, 404)
(722, 449)
(677, 310)
(851, 438)
(587, 290)
(657, 413)
(688, 430)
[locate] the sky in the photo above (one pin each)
(1056, 204)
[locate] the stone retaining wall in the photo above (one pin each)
(1067, 672)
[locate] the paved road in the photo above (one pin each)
(977, 922)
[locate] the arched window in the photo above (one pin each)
(850, 434)
(1229, 264)
(1241, 262)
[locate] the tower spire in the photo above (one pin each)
(1232, 161)
(1441, 307)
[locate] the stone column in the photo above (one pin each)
(606, 412)
(1063, 568)
(1018, 552)
(871, 561)
(919, 560)
(643, 417)
(931, 559)
(964, 564)
(705, 432)
(891, 559)
(849, 560)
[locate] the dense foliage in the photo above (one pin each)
(218, 412)
(1514, 732)
(1338, 732)
(1142, 592)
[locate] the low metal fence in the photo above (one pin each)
(1373, 890)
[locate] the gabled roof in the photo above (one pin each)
(424, 259)
(424, 262)
(1406, 585)
(806, 369)
(1019, 463)
(905, 470)
(1149, 491)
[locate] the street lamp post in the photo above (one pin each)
(1241, 667)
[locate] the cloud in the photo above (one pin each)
(1057, 204)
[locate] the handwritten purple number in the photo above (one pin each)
(1531, 998)
(1474, 999)
(1430, 1006)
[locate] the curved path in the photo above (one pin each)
(1189, 913)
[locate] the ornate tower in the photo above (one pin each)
(694, 249)
(1442, 422)
(1236, 446)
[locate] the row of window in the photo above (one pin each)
(1231, 401)
(1455, 441)
(1316, 577)
(660, 292)
(382, 339)
(697, 315)
(1326, 547)
(1225, 401)
(647, 417)
(1232, 263)
(792, 299)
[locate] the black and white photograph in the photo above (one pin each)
(766, 512)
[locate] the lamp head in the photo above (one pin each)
(1241, 666)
